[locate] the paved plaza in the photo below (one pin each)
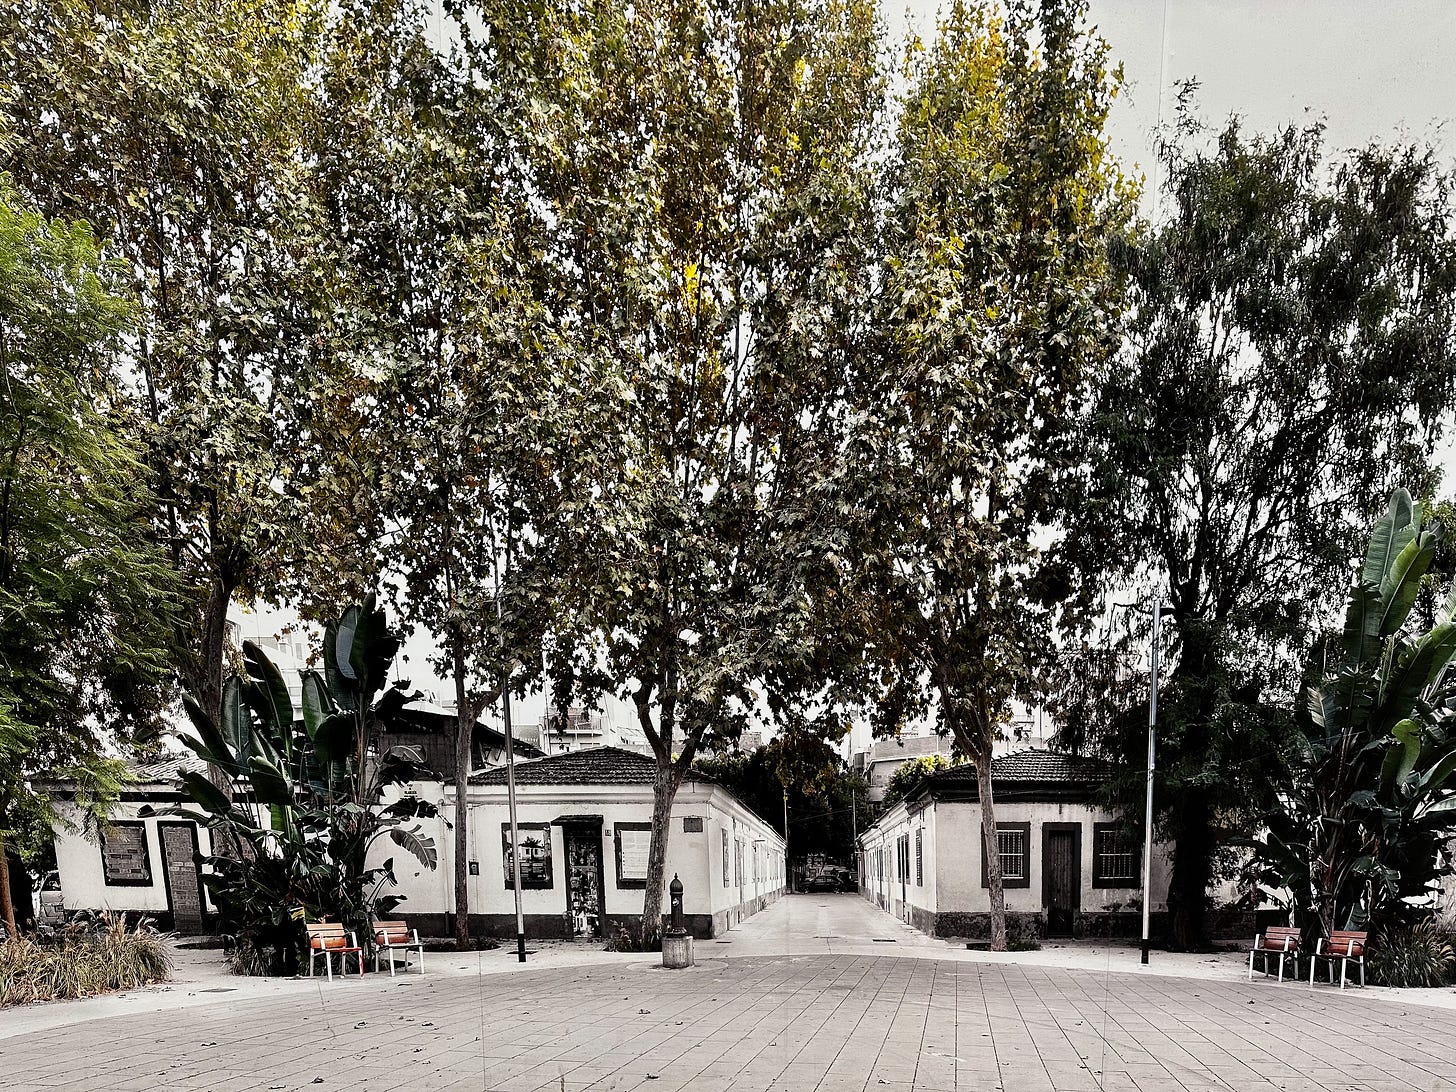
(869, 1006)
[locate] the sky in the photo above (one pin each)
(1371, 70)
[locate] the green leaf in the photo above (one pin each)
(268, 694)
(270, 784)
(315, 701)
(1400, 759)
(208, 796)
(417, 843)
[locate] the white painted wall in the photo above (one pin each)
(83, 879)
(695, 857)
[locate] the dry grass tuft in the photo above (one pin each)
(82, 962)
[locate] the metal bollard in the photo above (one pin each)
(677, 942)
(675, 890)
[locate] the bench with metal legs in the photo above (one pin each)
(327, 939)
(1277, 940)
(395, 936)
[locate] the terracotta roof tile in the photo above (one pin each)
(589, 766)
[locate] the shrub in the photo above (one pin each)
(630, 938)
(1419, 956)
(83, 960)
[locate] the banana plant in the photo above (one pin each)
(304, 803)
(1369, 794)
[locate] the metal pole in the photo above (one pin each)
(510, 772)
(1148, 809)
(515, 832)
(786, 838)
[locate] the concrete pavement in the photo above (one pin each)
(775, 1008)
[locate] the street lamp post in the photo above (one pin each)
(1148, 806)
(1151, 767)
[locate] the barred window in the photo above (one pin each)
(920, 858)
(1114, 856)
(1011, 844)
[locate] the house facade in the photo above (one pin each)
(1069, 867)
(145, 861)
(584, 821)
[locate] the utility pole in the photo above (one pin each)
(1148, 807)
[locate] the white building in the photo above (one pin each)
(584, 818)
(1069, 866)
(884, 756)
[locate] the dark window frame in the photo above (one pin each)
(627, 882)
(1100, 877)
(128, 824)
(528, 883)
(1009, 882)
(919, 856)
(727, 858)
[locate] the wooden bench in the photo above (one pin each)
(1345, 945)
(392, 936)
(1277, 940)
(327, 939)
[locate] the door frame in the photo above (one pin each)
(191, 829)
(1075, 829)
(593, 827)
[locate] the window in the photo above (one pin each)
(738, 862)
(1013, 842)
(125, 858)
(535, 842)
(727, 856)
(920, 858)
(1114, 856)
(634, 840)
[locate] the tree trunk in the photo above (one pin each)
(994, 882)
(7, 905)
(664, 790)
(1192, 865)
(464, 733)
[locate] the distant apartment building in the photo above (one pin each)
(579, 728)
(879, 763)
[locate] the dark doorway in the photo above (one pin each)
(584, 878)
(184, 885)
(1061, 870)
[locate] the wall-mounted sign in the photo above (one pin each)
(692, 824)
(475, 868)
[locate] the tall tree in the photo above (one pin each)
(85, 593)
(998, 316)
(178, 132)
(1289, 360)
(703, 168)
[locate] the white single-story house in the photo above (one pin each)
(144, 861)
(584, 820)
(1069, 866)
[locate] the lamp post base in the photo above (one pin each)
(677, 951)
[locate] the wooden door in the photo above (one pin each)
(184, 884)
(584, 879)
(1061, 877)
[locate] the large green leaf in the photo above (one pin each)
(1393, 531)
(209, 745)
(336, 739)
(315, 701)
(1414, 669)
(268, 694)
(1400, 759)
(270, 784)
(1402, 583)
(417, 843)
(342, 652)
(237, 719)
(208, 796)
(1362, 624)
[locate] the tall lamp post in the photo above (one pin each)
(1151, 767)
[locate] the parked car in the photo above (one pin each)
(49, 909)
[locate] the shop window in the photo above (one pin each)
(535, 844)
(1114, 856)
